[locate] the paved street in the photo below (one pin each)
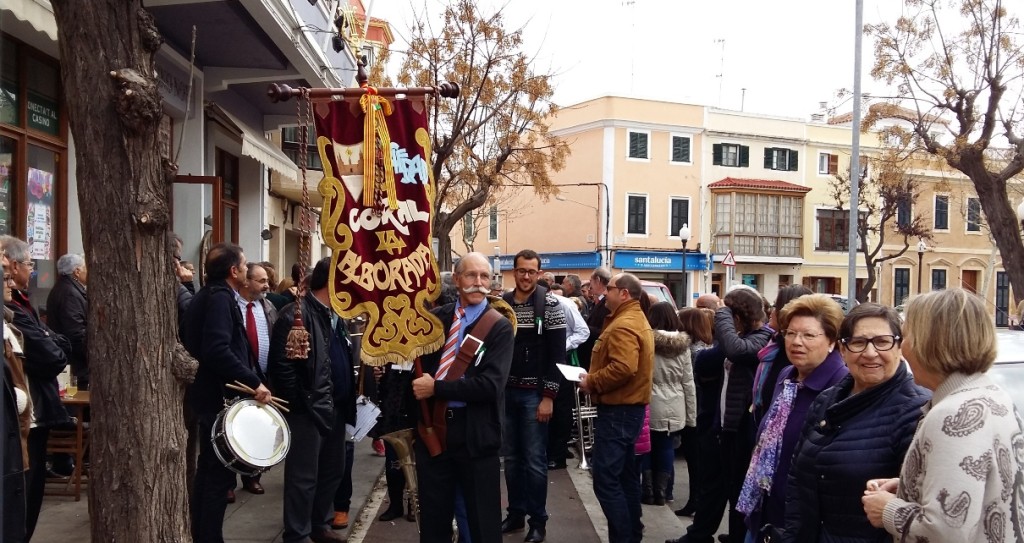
(575, 513)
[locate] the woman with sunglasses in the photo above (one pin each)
(857, 430)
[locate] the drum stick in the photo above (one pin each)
(273, 401)
(242, 387)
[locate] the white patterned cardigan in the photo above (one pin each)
(962, 477)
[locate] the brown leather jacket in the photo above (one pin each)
(622, 364)
(16, 373)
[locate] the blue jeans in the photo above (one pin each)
(615, 471)
(525, 448)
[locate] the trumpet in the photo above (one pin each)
(585, 414)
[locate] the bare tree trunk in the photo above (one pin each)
(137, 490)
(1002, 220)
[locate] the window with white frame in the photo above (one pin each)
(828, 164)
(731, 155)
(680, 149)
(636, 214)
(973, 215)
(758, 224)
(639, 143)
(901, 286)
(492, 226)
(903, 211)
(679, 214)
(781, 159)
(941, 212)
(468, 227)
(938, 279)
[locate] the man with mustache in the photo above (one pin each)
(465, 383)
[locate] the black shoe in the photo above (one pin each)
(391, 514)
(553, 465)
(687, 511)
(535, 535)
(512, 524)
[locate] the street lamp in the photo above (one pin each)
(684, 236)
(921, 248)
(497, 264)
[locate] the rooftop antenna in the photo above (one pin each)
(721, 69)
(743, 98)
(631, 4)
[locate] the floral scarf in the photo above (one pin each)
(765, 459)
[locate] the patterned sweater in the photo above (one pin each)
(538, 347)
(962, 478)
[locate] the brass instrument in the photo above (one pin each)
(585, 414)
(402, 442)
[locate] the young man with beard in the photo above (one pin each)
(472, 406)
(619, 384)
(532, 387)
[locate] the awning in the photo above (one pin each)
(258, 147)
(38, 13)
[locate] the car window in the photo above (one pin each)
(1011, 378)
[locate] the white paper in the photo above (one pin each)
(366, 417)
(571, 373)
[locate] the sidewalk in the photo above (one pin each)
(575, 515)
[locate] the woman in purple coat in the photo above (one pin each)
(809, 332)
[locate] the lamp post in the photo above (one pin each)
(921, 248)
(684, 237)
(497, 265)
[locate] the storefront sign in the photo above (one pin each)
(651, 260)
(43, 114)
(559, 261)
(173, 85)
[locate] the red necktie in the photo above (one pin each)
(250, 332)
(451, 346)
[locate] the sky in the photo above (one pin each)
(788, 55)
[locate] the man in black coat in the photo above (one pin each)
(475, 404)
(66, 310)
(46, 356)
(215, 335)
(321, 397)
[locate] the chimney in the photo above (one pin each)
(817, 117)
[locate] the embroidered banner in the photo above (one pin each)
(378, 225)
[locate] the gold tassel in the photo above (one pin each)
(297, 345)
(375, 108)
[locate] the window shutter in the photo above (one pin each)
(794, 161)
(768, 152)
(680, 149)
(833, 164)
(716, 154)
(634, 145)
(744, 156)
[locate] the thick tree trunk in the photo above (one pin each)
(137, 489)
(1002, 221)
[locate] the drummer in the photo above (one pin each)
(321, 395)
(214, 333)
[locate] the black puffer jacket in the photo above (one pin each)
(305, 384)
(846, 441)
(741, 351)
(46, 356)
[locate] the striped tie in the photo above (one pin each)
(451, 346)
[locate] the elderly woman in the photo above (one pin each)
(772, 357)
(809, 327)
(869, 416)
(962, 478)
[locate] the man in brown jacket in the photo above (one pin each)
(619, 383)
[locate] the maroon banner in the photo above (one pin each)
(379, 225)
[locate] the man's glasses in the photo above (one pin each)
(526, 272)
(881, 343)
(28, 264)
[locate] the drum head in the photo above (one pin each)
(257, 433)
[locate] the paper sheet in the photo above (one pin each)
(366, 418)
(571, 373)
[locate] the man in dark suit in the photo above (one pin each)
(475, 403)
(595, 321)
(215, 335)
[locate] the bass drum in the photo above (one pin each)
(250, 438)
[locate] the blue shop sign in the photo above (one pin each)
(650, 260)
(560, 261)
